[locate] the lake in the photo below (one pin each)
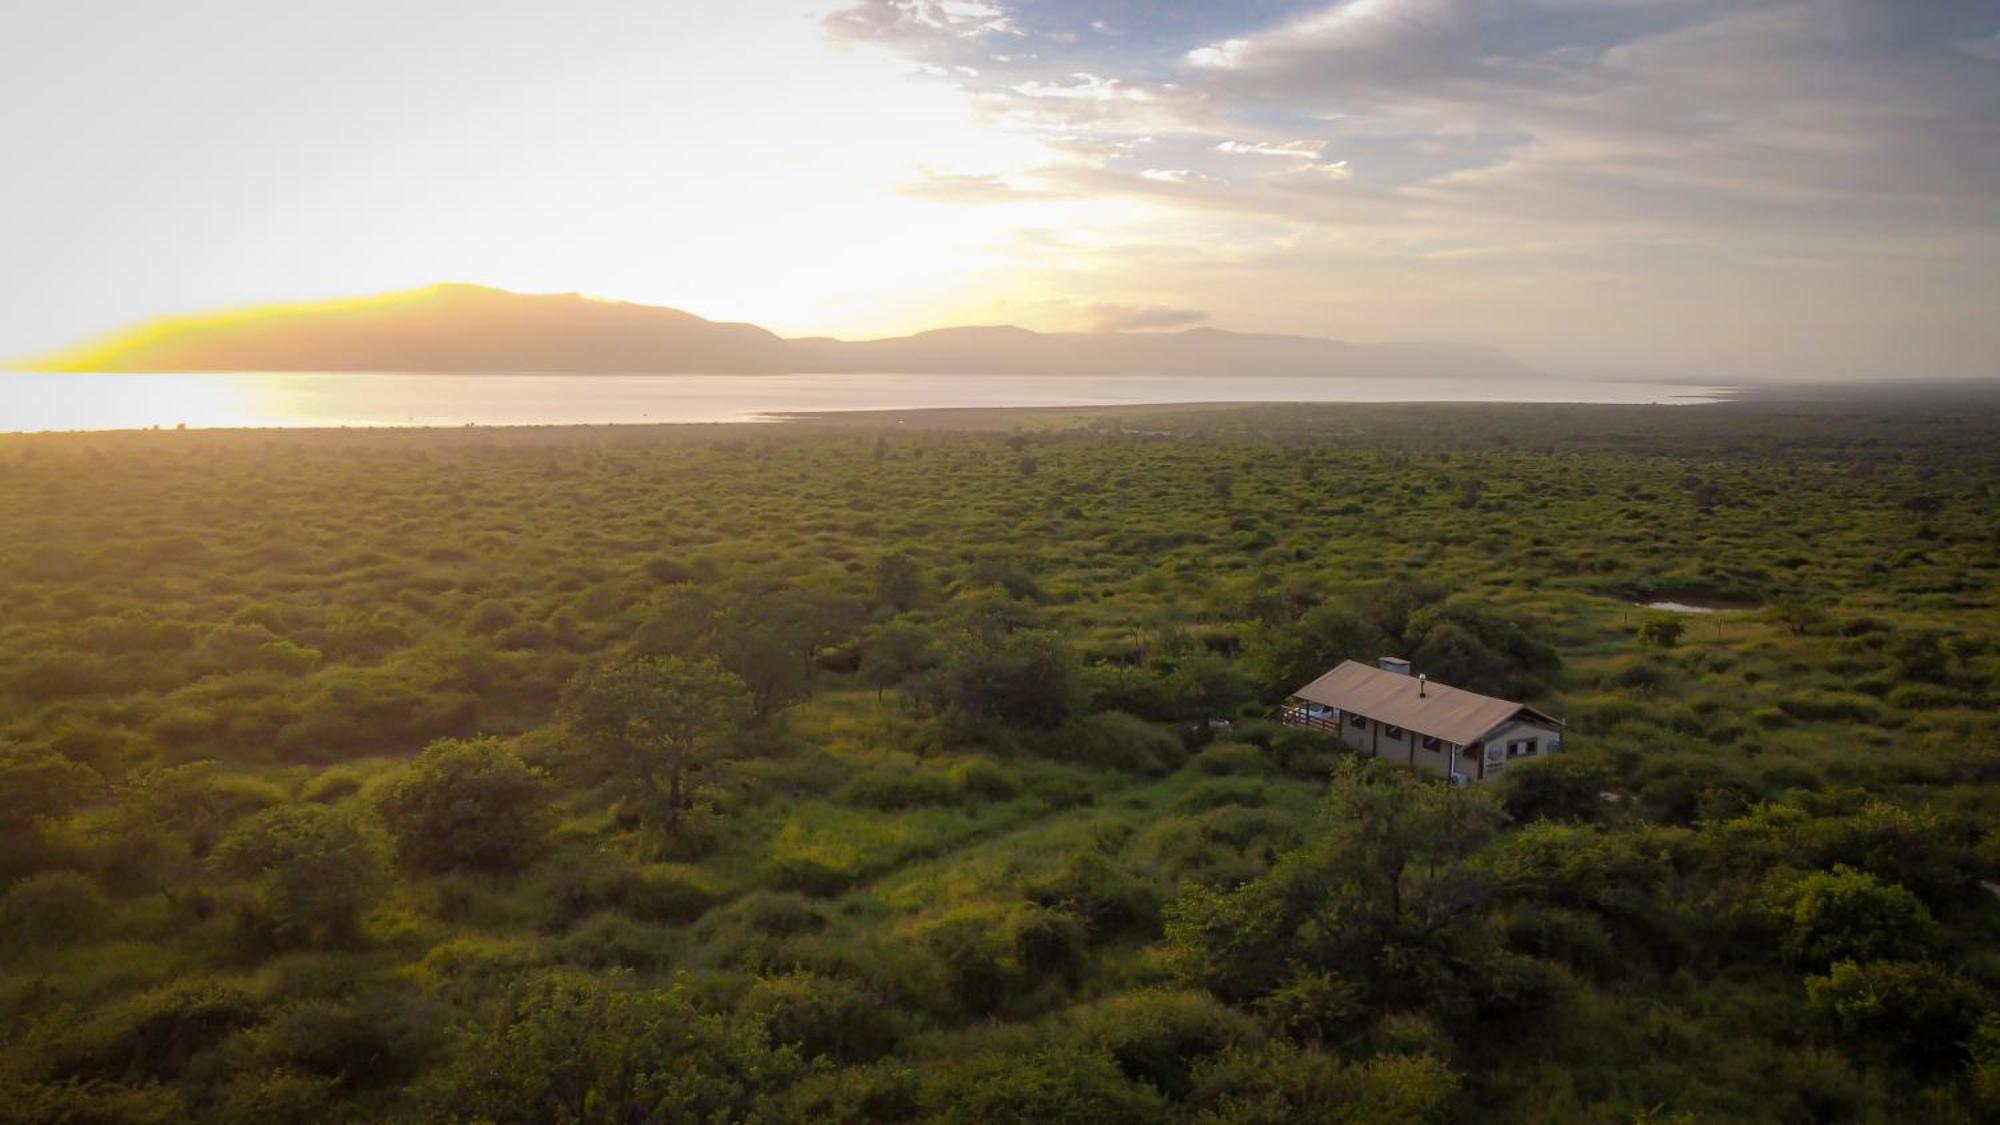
(33, 402)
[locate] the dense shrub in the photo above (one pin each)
(472, 805)
(52, 907)
(820, 1016)
(314, 870)
(1115, 741)
(558, 1046)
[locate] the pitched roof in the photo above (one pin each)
(1450, 713)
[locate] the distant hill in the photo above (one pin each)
(458, 328)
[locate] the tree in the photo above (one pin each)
(894, 653)
(468, 804)
(1385, 865)
(1026, 679)
(1289, 654)
(315, 868)
(37, 789)
(898, 582)
(37, 786)
(647, 721)
(1208, 685)
(767, 663)
(1798, 614)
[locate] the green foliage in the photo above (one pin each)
(468, 805)
(1562, 787)
(1028, 679)
(820, 1016)
(645, 722)
(1280, 1083)
(1662, 630)
(1027, 899)
(1060, 1084)
(1290, 654)
(1849, 915)
(1918, 1014)
(51, 908)
(314, 869)
(1159, 1036)
(39, 786)
(1113, 740)
(564, 1048)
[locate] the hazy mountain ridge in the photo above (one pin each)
(460, 328)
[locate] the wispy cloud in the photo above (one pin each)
(1104, 317)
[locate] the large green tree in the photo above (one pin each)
(648, 721)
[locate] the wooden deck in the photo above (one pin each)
(1299, 717)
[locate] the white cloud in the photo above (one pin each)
(1291, 150)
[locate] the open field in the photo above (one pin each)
(957, 843)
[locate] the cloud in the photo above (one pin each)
(1673, 152)
(917, 21)
(1139, 318)
(1293, 150)
(962, 187)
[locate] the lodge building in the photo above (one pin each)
(1459, 735)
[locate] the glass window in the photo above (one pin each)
(1433, 743)
(1358, 722)
(1392, 732)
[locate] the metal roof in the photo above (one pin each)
(1450, 713)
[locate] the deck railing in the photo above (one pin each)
(1300, 717)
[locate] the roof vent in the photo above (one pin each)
(1394, 664)
(1423, 681)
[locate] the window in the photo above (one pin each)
(1433, 743)
(1521, 748)
(1357, 722)
(1392, 732)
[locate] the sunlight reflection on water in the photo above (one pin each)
(35, 401)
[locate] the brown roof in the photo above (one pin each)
(1450, 713)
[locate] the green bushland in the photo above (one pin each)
(845, 772)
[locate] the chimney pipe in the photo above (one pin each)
(1422, 682)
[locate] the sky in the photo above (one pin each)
(1705, 189)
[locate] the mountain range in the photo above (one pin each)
(465, 328)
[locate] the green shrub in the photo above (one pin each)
(1113, 740)
(52, 907)
(557, 1042)
(1239, 791)
(1920, 1015)
(778, 913)
(1108, 896)
(1236, 758)
(1159, 1036)
(1849, 915)
(893, 791)
(669, 893)
(331, 787)
(613, 941)
(314, 869)
(1060, 1084)
(468, 805)
(982, 780)
(155, 1035)
(821, 1016)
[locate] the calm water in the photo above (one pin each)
(115, 402)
